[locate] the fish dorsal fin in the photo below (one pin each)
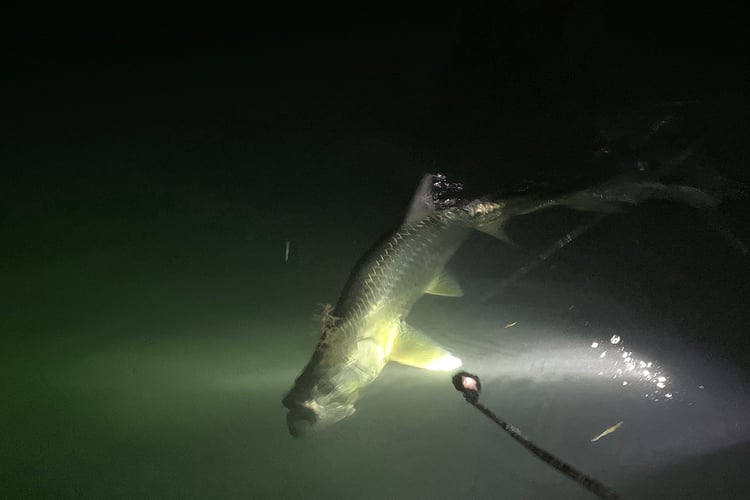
(414, 348)
(445, 285)
(422, 203)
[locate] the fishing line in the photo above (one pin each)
(713, 220)
(542, 256)
(470, 386)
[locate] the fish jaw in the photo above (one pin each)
(302, 418)
(324, 396)
(299, 419)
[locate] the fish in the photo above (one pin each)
(367, 328)
(607, 431)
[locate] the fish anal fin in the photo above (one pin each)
(445, 285)
(414, 348)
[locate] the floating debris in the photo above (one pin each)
(286, 252)
(615, 339)
(594, 345)
(511, 325)
(607, 431)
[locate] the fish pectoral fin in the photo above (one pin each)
(414, 348)
(446, 285)
(496, 230)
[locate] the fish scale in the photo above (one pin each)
(408, 258)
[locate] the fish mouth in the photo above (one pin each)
(304, 417)
(299, 419)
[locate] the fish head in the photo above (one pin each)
(347, 359)
(326, 390)
(316, 404)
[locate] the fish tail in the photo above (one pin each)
(614, 197)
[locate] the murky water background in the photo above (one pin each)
(152, 320)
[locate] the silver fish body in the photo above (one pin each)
(367, 327)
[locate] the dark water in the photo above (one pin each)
(152, 176)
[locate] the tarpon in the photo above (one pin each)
(367, 328)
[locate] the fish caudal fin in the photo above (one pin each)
(612, 197)
(413, 348)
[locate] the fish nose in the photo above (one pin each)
(300, 421)
(297, 426)
(299, 418)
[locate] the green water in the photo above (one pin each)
(151, 319)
